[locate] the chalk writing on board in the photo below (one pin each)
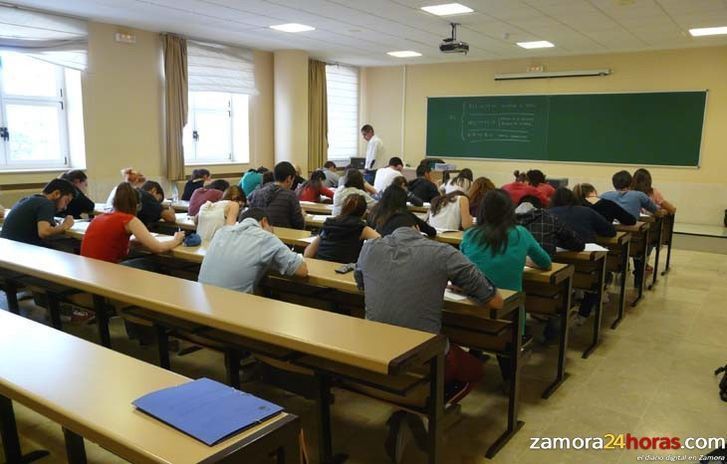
(498, 122)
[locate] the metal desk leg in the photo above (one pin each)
(11, 293)
(163, 346)
(598, 319)
(325, 439)
(102, 320)
(54, 307)
(644, 260)
(625, 252)
(668, 248)
(513, 424)
(10, 439)
(436, 408)
(75, 451)
(658, 253)
(563, 342)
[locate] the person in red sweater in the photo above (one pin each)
(213, 192)
(314, 188)
(521, 188)
(107, 236)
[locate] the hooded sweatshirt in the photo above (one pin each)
(280, 204)
(341, 239)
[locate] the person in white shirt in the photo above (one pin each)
(385, 176)
(374, 152)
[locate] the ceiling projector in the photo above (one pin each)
(452, 45)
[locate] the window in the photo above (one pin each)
(217, 129)
(33, 114)
(342, 89)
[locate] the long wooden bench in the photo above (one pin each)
(304, 331)
(88, 391)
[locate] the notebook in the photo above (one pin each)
(206, 410)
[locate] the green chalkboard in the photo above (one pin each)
(658, 128)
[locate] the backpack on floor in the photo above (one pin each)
(723, 382)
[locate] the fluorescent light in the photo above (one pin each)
(293, 27)
(708, 31)
(536, 44)
(404, 54)
(447, 9)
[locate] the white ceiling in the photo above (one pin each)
(360, 32)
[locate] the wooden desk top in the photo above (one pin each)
(310, 331)
(183, 221)
(639, 227)
(316, 208)
(315, 220)
(619, 239)
(80, 385)
(293, 237)
(557, 274)
(581, 255)
(453, 238)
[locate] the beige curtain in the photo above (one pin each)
(317, 115)
(175, 72)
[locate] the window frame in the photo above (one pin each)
(233, 157)
(59, 101)
(355, 153)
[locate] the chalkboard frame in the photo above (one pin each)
(590, 163)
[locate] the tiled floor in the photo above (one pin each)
(650, 377)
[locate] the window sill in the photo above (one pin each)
(219, 163)
(33, 170)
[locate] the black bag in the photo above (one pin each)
(722, 383)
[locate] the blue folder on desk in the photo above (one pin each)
(206, 410)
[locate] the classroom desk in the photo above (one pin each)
(315, 221)
(182, 221)
(316, 208)
(330, 337)
(84, 392)
(639, 249)
(590, 274)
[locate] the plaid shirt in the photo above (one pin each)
(549, 232)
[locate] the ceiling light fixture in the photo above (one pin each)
(536, 44)
(293, 27)
(447, 9)
(702, 31)
(404, 54)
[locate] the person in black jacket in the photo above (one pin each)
(342, 236)
(393, 201)
(587, 195)
(547, 230)
(197, 180)
(80, 204)
(410, 197)
(422, 186)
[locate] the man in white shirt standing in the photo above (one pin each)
(374, 152)
(385, 176)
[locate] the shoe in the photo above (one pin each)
(649, 269)
(579, 320)
(81, 316)
(455, 391)
(398, 437)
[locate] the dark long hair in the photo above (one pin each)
(642, 181)
(315, 181)
(494, 220)
(563, 197)
(354, 178)
(443, 200)
(354, 205)
(392, 201)
(535, 177)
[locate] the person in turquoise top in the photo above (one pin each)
(498, 246)
(251, 179)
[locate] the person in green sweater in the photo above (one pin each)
(498, 246)
(251, 179)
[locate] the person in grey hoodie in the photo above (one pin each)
(278, 200)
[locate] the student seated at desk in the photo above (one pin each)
(521, 188)
(80, 204)
(587, 224)
(393, 201)
(422, 186)
(281, 206)
(450, 212)
(213, 192)
(197, 180)
(632, 201)
(642, 183)
(536, 179)
(342, 236)
(332, 177)
(240, 255)
(404, 276)
(462, 182)
(252, 179)
(107, 236)
(385, 176)
(547, 230)
(584, 221)
(588, 196)
(477, 193)
(152, 210)
(31, 219)
(352, 183)
(212, 216)
(401, 181)
(313, 188)
(498, 246)
(130, 175)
